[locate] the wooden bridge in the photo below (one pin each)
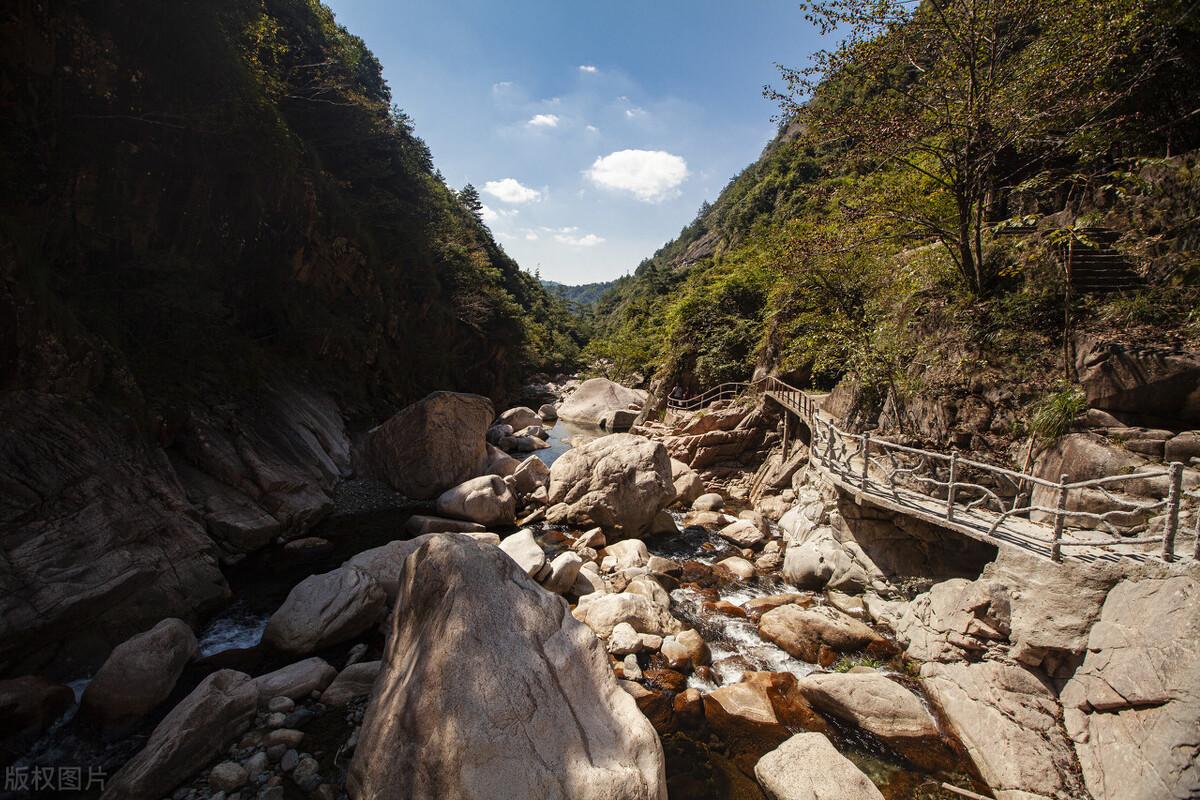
(984, 501)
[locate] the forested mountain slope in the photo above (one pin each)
(222, 250)
(839, 254)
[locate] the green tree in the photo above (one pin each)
(469, 197)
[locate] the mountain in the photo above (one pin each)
(836, 258)
(584, 294)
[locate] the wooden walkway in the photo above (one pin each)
(988, 503)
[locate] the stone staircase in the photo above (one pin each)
(1098, 267)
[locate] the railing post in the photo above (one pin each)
(786, 439)
(1060, 519)
(829, 445)
(1196, 544)
(1175, 480)
(865, 448)
(950, 485)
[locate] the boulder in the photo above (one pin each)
(603, 612)
(195, 732)
(737, 566)
(500, 463)
(475, 648)
(1132, 707)
(420, 524)
(295, 681)
(808, 767)
(138, 675)
(29, 705)
(383, 563)
(708, 502)
(354, 681)
(432, 445)
(323, 610)
(617, 420)
(548, 412)
(525, 552)
(629, 553)
(1010, 724)
(759, 713)
(1144, 381)
(821, 561)
(595, 397)
(498, 433)
(802, 631)
(530, 474)
(688, 485)
(955, 620)
(618, 482)
(624, 640)
(878, 705)
(564, 570)
(1184, 448)
(519, 417)
(486, 500)
(743, 533)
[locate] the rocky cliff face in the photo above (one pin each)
(218, 241)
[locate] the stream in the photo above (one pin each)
(699, 763)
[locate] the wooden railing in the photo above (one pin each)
(986, 501)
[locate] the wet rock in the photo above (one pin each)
(29, 705)
(655, 705)
(808, 767)
(737, 566)
(879, 706)
(196, 731)
(593, 539)
(138, 675)
(1133, 705)
(432, 445)
(757, 606)
(323, 610)
(525, 552)
(676, 654)
(746, 715)
(743, 533)
(602, 613)
(697, 648)
(486, 500)
(618, 482)
(1010, 724)
(802, 632)
(688, 707)
(548, 412)
(420, 524)
(429, 732)
(597, 396)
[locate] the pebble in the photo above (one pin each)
(276, 752)
(297, 719)
(271, 793)
(289, 760)
(282, 705)
(307, 774)
(277, 720)
(257, 764)
(632, 671)
(227, 776)
(285, 736)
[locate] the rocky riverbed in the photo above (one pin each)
(552, 609)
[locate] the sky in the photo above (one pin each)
(593, 130)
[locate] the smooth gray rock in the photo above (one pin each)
(807, 767)
(323, 610)
(295, 682)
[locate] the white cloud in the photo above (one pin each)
(588, 68)
(587, 240)
(530, 236)
(631, 113)
(592, 129)
(502, 86)
(490, 214)
(649, 175)
(510, 190)
(543, 121)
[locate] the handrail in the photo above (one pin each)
(964, 489)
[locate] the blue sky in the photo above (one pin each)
(592, 130)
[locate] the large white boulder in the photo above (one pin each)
(619, 482)
(1011, 725)
(808, 767)
(486, 500)
(688, 484)
(477, 648)
(431, 445)
(525, 552)
(596, 397)
(1133, 707)
(603, 612)
(323, 610)
(519, 417)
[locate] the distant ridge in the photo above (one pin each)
(585, 294)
